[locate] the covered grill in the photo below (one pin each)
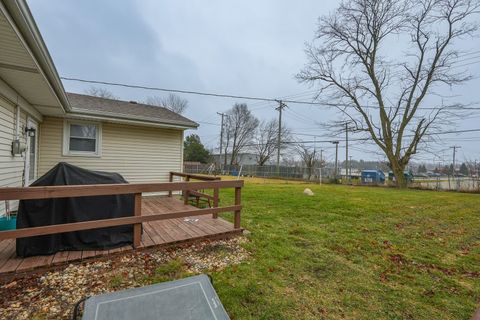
(44, 212)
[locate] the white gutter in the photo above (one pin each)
(142, 119)
(74, 115)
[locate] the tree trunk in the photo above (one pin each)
(309, 173)
(398, 171)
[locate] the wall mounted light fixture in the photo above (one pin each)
(30, 131)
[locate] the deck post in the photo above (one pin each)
(238, 200)
(185, 192)
(215, 202)
(137, 228)
(170, 179)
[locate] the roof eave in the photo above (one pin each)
(21, 15)
(136, 120)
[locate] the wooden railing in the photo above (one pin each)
(187, 193)
(30, 193)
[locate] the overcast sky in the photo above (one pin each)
(252, 48)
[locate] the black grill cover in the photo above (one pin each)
(44, 212)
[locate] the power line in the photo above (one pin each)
(368, 139)
(469, 58)
(467, 64)
(300, 117)
(427, 134)
(318, 135)
(231, 96)
(219, 95)
(469, 53)
(455, 131)
(263, 104)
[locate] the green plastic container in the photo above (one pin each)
(8, 223)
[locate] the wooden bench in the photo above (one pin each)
(196, 195)
(201, 197)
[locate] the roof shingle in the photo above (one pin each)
(125, 109)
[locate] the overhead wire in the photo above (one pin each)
(234, 96)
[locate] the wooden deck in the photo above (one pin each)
(155, 233)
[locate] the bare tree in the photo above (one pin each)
(240, 129)
(266, 140)
(100, 92)
(308, 156)
(382, 96)
(171, 102)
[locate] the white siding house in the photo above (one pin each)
(11, 167)
(141, 142)
(139, 153)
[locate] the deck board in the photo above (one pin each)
(155, 233)
(146, 239)
(60, 257)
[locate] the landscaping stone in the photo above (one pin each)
(54, 294)
(308, 192)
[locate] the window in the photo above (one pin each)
(82, 138)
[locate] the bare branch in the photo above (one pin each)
(348, 62)
(240, 129)
(266, 140)
(100, 92)
(171, 102)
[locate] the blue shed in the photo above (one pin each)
(373, 176)
(407, 174)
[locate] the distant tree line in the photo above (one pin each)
(465, 169)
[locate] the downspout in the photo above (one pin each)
(17, 122)
(17, 137)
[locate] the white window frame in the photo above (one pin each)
(66, 139)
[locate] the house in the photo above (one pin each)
(352, 173)
(244, 158)
(41, 124)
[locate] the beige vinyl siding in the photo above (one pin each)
(11, 167)
(140, 154)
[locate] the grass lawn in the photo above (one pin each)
(354, 253)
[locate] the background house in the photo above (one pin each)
(41, 124)
(244, 158)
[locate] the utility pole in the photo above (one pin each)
(336, 159)
(346, 151)
(350, 168)
(321, 165)
(453, 164)
(221, 138)
(280, 107)
(476, 175)
(454, 154)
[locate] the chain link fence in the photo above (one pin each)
(448, 183)
(269, 171)
(326, 175)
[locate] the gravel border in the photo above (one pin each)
(52, 295)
